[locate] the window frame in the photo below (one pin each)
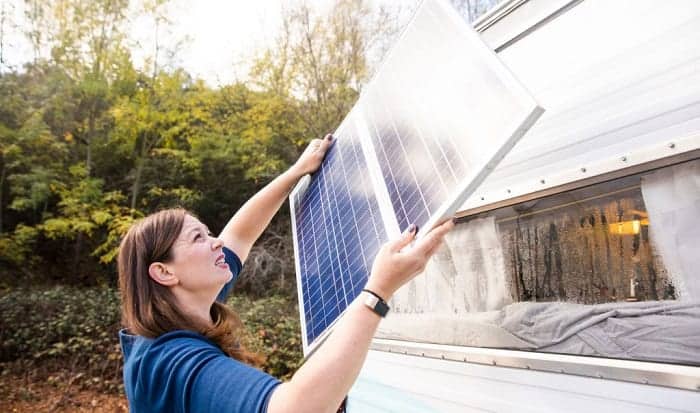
(520, 18)
(673, 375)
(634, 371)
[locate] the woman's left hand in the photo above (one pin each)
(313, 155)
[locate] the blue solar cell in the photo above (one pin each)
(339, 231)
(417, 174)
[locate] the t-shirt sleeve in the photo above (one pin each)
(227, 385)
(235, 265)
(192, 375)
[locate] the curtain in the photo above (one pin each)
(672, 198)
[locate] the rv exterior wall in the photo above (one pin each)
(621, 88)
(622, 93)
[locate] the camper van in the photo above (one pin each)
(570, 283)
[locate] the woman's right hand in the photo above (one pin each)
(395, 265)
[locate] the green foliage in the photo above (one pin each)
(18, 246)
(89, 143)
(272, 326)
(58, 322)
(83, 206)
(67, 326)
(268, 144)
(31, 160)
(117, 225)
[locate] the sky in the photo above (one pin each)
(222, 34)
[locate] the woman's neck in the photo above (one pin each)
(195, 307)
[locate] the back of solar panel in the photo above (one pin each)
(436, 118)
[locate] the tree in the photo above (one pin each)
(30, 155)
(35, 14)
(473, 9)
(6, 23)
(86, 40)
(322, 60)
(89, 142)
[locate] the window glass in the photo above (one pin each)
(608, 270)
(473, 9)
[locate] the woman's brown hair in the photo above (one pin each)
(149, 309)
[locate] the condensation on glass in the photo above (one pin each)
(607, 270)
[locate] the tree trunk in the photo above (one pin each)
(76, 256)
(2, 46)
(90, 133)
(136, 188)
(2, 185)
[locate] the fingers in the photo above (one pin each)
(320, 146)
(315, 144)
(433, 239)
(434, 248)
(326, 142)
(406, 238)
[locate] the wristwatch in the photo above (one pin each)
(375, 303)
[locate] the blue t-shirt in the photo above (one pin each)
(183, 371)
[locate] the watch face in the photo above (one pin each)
(381, 308)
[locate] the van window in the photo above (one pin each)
(607, 270)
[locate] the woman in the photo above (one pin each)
(180, 345)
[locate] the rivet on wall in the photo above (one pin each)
(583, 170)
(623, 159)
(671, 145)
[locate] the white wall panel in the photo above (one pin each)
(618, 80)
(401, 383)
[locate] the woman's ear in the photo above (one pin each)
(160, 273)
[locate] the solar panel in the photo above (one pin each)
(433, 122)
(338, 231)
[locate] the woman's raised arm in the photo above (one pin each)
(246, 226)
(325, 379)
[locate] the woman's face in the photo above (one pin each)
(197, 259)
